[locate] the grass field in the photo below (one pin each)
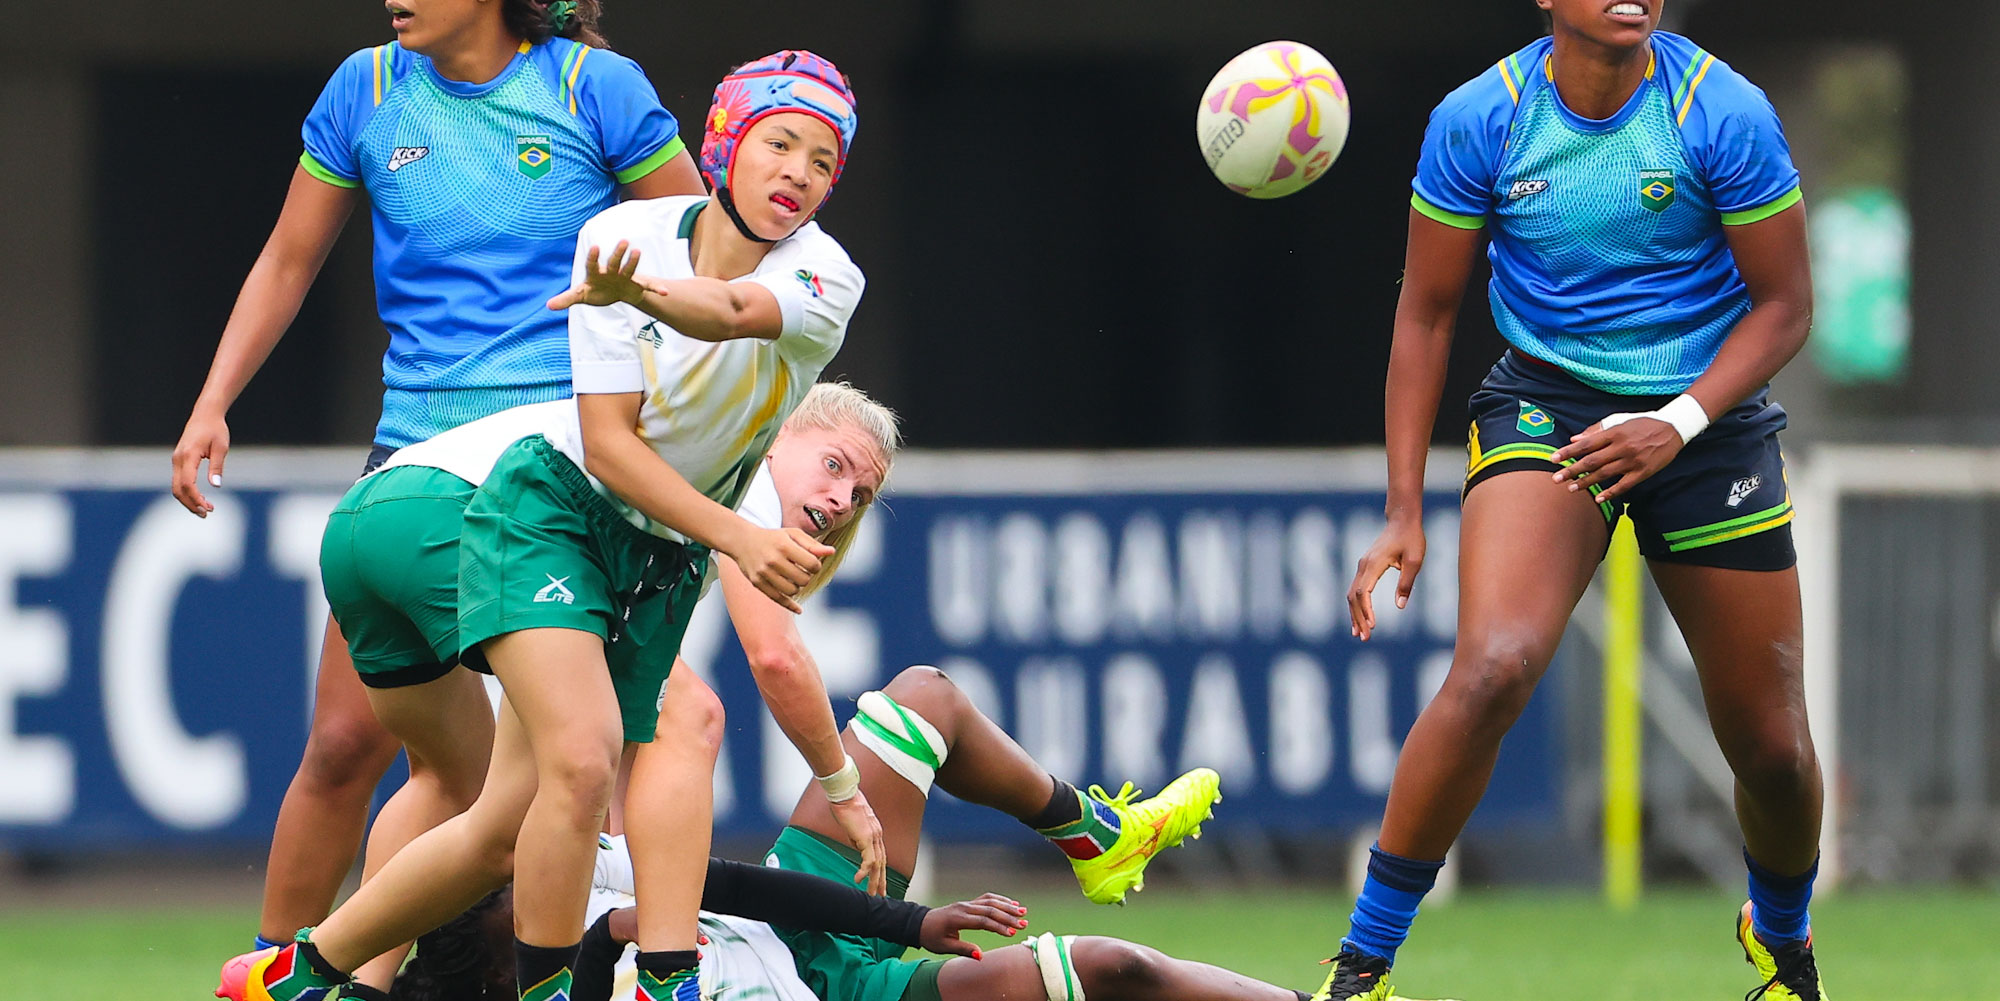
(1485, 946)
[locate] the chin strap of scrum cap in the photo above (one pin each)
(728, 204)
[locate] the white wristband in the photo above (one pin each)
(1683, 413)
(843, 784)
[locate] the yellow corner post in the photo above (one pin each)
(1624, 639)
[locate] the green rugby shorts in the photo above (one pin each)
(389, 564)
(542, 549)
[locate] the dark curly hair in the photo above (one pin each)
(530, 19)
(470, 958)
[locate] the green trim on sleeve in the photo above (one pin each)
(1451, 219)
(1765, 211)
(318, 170)
(673, 148)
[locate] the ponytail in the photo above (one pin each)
(540, 20)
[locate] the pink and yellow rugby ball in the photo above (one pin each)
(1273, 120)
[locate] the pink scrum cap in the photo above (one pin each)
(790, 80)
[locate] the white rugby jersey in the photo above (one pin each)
(710, 409)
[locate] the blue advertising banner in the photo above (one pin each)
(1123, 619)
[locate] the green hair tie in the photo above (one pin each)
(562, 14)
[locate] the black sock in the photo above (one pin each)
(318, 964)
(536, 965)
(1064, 807)
(596, 963)
(1303, 996)
(362, 992)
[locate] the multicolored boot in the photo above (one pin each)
(1789, 971)
(1136, 832)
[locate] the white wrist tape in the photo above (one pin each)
(1684, 414)
(843, 784)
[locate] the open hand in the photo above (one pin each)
(205, 437)
(1401, 545)
(612, 282)
(990, 912)
(857, 820)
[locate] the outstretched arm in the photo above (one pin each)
(813, 903)
(706, 309)
(310, 221)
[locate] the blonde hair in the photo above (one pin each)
(832, 406)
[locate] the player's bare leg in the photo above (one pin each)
(446, 869)
(325, 810)
(1745, 630)
(669, 827)
(446, 725)
(542, 807)
(433, 879)
(1015, 784)
(986, 766)
(1109, 839)
(1527, 550)
(1107, 969)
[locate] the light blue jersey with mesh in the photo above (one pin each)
(477, 193)
(1608, 250)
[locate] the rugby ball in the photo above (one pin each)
(1273, 120)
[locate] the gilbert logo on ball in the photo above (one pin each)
(1272, 120)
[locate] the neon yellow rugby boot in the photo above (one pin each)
(1789, 973)
(1142, 830)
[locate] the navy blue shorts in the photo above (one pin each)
(1721, 503)
(376, 457)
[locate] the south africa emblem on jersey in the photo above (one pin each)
(1656, 189)
(1534, 422)
(533, 155)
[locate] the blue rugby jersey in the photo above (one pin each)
(1608, 252)
(477, 193)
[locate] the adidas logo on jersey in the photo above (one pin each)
(406, 155)
(1743, 488)
(1523, 189)
(556, 591)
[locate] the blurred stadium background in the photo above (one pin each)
(1148, 420)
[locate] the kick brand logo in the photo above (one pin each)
(406, 155)
(556, 591)
(1743, 488)
(1523, 189)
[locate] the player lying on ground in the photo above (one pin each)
(467, 958)
(576, 598)
(918, 731)
(1650, 276)
(470, 240)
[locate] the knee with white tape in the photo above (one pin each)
(905, 741)
(1059, 977)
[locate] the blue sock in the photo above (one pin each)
(1778, 903)
(1388, 902)
(264, 943)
